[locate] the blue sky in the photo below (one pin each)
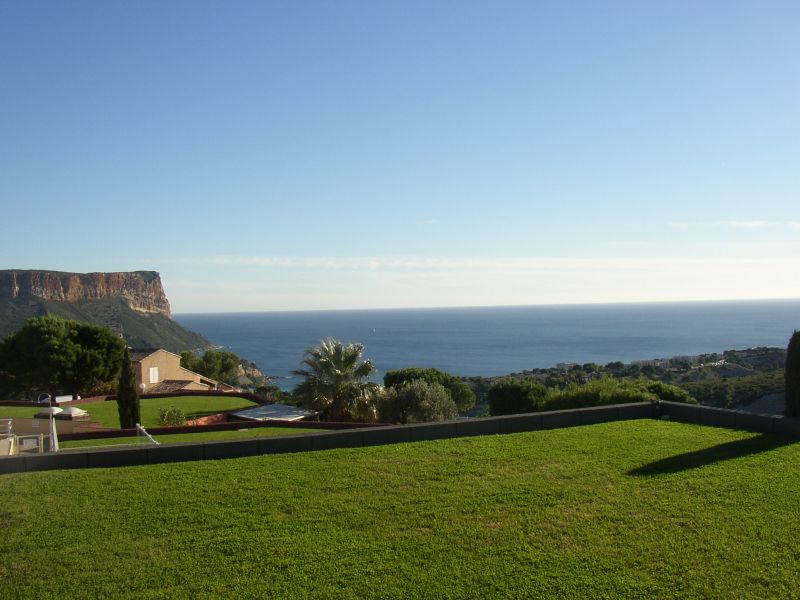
(311, 155)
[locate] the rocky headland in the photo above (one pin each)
(133, 304)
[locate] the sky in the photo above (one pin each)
(338, 154)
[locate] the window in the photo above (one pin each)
(153, 374)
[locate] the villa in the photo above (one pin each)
(159, 371)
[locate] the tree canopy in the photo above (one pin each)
(216, 364)
(127, 395)
(459, 391)
(335, 381)
(416, 401)
(511, 396)
(59, 356)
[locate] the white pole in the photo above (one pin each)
(53, 435)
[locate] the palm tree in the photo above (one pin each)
(334, 381)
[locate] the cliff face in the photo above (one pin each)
(131, 304)
(142, 290)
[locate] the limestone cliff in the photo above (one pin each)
(132, 304)
(142, 290)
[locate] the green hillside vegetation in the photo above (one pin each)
(637, 509)
(736, 391)
(510, 396)
(728, 379)
(139, 329)
(605, 391)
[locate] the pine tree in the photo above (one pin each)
(793, 376)
(127, 395)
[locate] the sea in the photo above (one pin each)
(490, 341)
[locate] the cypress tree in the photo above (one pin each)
(793, 376)
(127, 395)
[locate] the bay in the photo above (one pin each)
(493, 341)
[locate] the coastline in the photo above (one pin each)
(502, 341)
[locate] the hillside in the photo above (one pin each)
(133, 304)
(727, 379)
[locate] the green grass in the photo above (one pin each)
(180, 438)
(107, 415)
(19, 412)
(635, 509)
(192, 406)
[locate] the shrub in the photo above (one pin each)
(171, 416)
(512, 396)
(670, 393)
(458, 390)
(416, 401)
(606, 390)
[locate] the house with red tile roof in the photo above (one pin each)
(159, 371)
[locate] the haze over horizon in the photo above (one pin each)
(352, 155)
(759, 301)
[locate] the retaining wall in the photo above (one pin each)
(226, 426)
(722, 417)
(373, 436)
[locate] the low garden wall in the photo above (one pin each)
(226, 426)
(373, 436)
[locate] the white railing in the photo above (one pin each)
(143, 432)
(30, 443)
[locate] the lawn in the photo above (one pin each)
(105, 412)
(192, 406)
(618, 510)
(181, 438)
(19, 412)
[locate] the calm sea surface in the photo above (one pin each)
(496, 341)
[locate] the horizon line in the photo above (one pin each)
(483, 306)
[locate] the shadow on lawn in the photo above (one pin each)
(708, 456)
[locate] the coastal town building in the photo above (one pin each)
(159, 371)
